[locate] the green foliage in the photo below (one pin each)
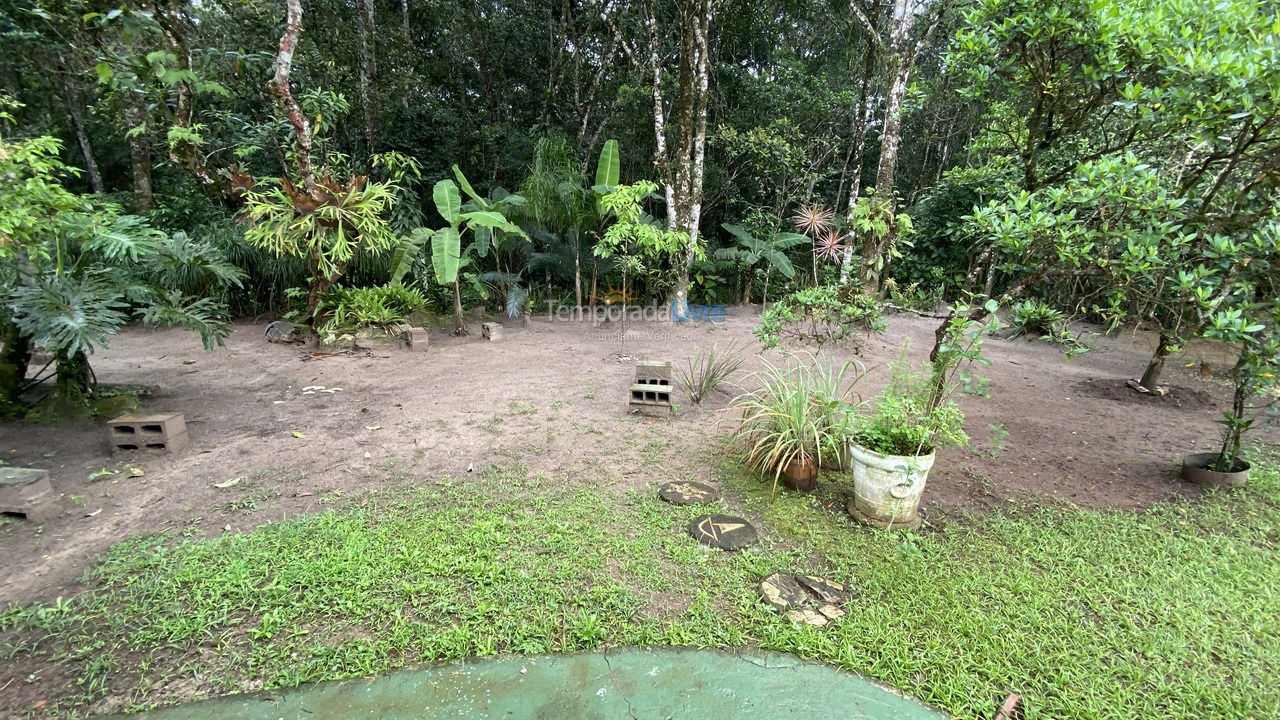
(707, 370)
(904, 421)
(384, 307)
(821, 315)
(802, 411)
(751, 250)
(330, 232)
(76, 270)
(1034, 316)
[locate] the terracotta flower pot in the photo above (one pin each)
(1197, 468)
(801, 474)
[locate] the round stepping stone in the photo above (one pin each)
(688, 492)
(723, 531)
(807, 599)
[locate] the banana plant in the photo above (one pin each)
(483, 218)
(751, 251)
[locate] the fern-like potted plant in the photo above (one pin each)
(799, 419)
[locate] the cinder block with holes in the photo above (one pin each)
(650, 399)
(653, 372)
(491, 331)
(165, 433)
(27, 492)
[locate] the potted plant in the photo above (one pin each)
(892, 449)
(1256, 396)
(798, 420)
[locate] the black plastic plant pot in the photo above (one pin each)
(1197, 468)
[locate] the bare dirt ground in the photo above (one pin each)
(553, 396)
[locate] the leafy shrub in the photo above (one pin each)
(1035, 316)
(382, 307)
(912, 297)
(901, 422)
(821, 315)
(803, 411)
(707, 370)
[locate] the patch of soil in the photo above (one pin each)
(552, 395)
(1180, 397)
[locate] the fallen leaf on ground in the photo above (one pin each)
(228, 483)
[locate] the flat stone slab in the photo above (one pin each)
(21, 476)
(626, 683)
(688, 492)
(807, 599)
(723, 531)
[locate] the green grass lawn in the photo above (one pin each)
(1168, 613)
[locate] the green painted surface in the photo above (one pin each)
(644, 684)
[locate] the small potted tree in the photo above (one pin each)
(891, 450)
(799, 420)
(1256, 396)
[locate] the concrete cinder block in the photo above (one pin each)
(27, 492)
(650, 399)
(165, 432)
(418, 339)
(653, 372)
(491, 331)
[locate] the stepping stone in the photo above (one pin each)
(688, 492)
(807, 599)
(723, 531)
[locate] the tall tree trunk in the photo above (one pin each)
(683, 164)
(900, 58)
(76, 111)
(858, 141)
(279, 86)
(369, 74)
(577, 271)
(140, 156)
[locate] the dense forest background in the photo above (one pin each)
(1082, 152)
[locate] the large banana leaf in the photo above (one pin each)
(490, 219)
(448, 201)
(741, 233)
(780, 263)
(787, 240)
(607, 171)
(446, 253)
(406, 252)
(470, 191)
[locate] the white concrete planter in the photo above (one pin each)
(887, 488)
